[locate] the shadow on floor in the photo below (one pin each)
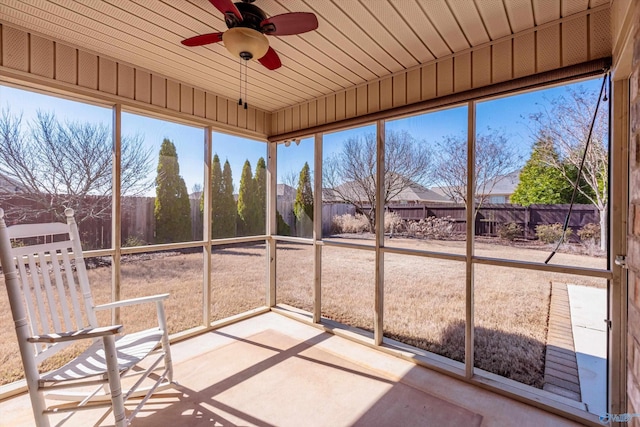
(270, 379)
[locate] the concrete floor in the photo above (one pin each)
(274, 371)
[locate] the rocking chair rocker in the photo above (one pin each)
(51, 278)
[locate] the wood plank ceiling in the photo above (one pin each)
(357, 41)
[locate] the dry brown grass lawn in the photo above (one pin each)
(237, 286)
(424, 298)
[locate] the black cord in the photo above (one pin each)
(577, 183)
(246, 70)
(240, 98)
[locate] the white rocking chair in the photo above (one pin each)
(45, 273)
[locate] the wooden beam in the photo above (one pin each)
(618, 228)
(317, 228)
(272, 224)
(378, 314)
(206, 228)
(116, 214)
(469, 308)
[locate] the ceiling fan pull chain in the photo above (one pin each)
(246, 71)
(240, 99)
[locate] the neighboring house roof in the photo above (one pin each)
(503, 185)
(414, 193)
(442, 191)
(8, 185)
(418, 193)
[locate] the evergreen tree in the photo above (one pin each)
(303, 205)
(229, 210)
(542, 183)
(217, 203)
(283, 227)
(172, 209)
(584, 191)
(223, 209)
(539, 182)
(245, 202)
(259, 198)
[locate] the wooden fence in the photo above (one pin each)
(95, 230)
(138, 221)
(490, 217)
(329, 210)
(137, 225)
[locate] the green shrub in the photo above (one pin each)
(591, 232)
(551, 233)
(510, 231)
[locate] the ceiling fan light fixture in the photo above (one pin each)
(248, 25)
(245, 43)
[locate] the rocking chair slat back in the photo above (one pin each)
(55, 290)
(37, 290)
(52, 308)
(62, 297)
(29, 230)
(51, 302)
(73, 294)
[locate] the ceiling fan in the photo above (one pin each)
(248, 25)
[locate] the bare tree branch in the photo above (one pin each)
(56, 164)
(290, 178)
(565, 123)
(350, 175)
(495, 158)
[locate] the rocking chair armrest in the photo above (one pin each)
(76, 335)
(133, 301)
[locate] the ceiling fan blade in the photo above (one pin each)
(288, 24)
(227, 7)
(271, 60)
(203, 39)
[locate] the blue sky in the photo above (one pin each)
(189, 140)
(507, 114)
